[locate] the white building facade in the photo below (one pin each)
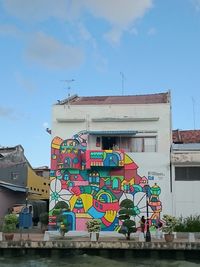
(185, 160)
(106, 149)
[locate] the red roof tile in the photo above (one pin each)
(128, 99)
(186, 136)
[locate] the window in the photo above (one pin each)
(108, 142)
(129, 144)
(187, 173)
(144, 144)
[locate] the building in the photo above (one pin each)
(18, 180)
(108, 148)
(185, 160)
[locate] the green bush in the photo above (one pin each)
(44, 218)
(170, 223)
(125, 214)
(188, 224)
(93, 225)
(10, 222)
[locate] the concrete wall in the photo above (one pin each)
(147, 120)
(186, 197)
(38, 185)
(8, 198)
(14, 174)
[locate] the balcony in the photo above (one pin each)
(104, 158)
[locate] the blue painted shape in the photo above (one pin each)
(71, 220)
(95, 213)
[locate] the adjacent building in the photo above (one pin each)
(18, 181)
(108, 148)
(185, 160)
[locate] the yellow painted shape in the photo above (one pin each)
(83, 215)
(131, 182)
(127, 159)
(56, 142)
(86, 198)
(110, 215)
(104, 193)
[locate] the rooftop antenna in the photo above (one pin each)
(193, 105)
(122, 75)
(68, 82)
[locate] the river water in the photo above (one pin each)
(90, 261)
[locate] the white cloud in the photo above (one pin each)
(26, 83)
(133, 31)
(49, 52)
(10, 30)
(39, 10)
(113, 36)
(196, 4)
(120, 14)
(7, 113)
(151, 31)
(85, 35)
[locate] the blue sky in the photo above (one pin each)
(154, 43)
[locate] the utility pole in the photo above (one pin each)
(193, 106)
(122, 75)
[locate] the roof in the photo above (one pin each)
(128, 99)
(4, 151)
(13, 187)
(186, 136)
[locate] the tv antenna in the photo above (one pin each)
(68, 82)
(123, 78)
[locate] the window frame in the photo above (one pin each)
(129, 140)
(186, 173)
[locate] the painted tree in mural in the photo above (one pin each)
(94, 182)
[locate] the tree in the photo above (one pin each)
(125, 213)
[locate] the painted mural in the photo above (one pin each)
(93, 183)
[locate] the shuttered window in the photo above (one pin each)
(187, 173)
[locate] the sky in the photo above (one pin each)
(49, 49)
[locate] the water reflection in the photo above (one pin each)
(90, 261)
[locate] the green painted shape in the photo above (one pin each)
(118, 177)
(105, 190)
(104, 173)
(73, 171)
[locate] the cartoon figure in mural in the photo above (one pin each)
(94, 182)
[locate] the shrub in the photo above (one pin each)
(44, 218)
(188, 224)
(170, 223)
(93, 225)
(125, 213)
(10, 222)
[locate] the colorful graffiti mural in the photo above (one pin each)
(94, 182)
